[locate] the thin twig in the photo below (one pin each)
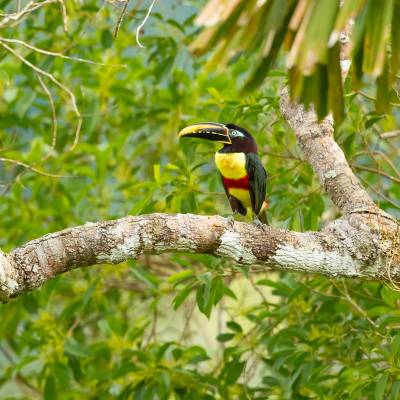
(31, 6)
(188, 314)
(38, 171)
(371, 153)
(390, 134)
(64, 15)
(377, 171)
(143, 23)
(53, 111)
(369, 97)
(58, 83)
(347, 296)
(17, 15)
(55, 54)
(377, 192)
(120, 18)
(154, 324)
(73, 326)
(257, 289)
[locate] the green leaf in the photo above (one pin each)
(380, 386)
(229, 292)
(74, 348)
(394, 395)
(150, 280)
(219, 288)
(165, 380)
(183, 295)
(349, 10)
(335, 86)
(382, 103)
(376, 35)
(395, 345)
(50, 389)
(234, 326)
(157, 173)
(395, 42)
(311, 50)
(225, 337)
(278, 17)
(205, 299)
(233, 372)
(181, 276)
(371, 119)
(358, 38)
(215, 94)
(209, 292)
(389, 296)
(206, 279)
(227, 27)
(106, 39)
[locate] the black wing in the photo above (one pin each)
(257, 181)
(235, 203)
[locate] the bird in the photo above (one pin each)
(242, 173)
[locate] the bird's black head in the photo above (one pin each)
(234, 138)
(241, 140)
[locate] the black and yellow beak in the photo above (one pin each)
(207, 130)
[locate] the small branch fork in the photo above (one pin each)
(13, 18)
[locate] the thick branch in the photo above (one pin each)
(326, 158)
(334, 252)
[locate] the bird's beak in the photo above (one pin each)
(207, 130)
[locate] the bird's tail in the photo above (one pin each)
(262, 216)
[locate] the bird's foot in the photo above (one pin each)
(231, 221)
(258, 223)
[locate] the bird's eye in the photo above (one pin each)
(236, 133)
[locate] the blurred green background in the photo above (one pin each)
(176, 326)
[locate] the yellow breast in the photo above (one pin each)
(241, 194)
(231, 165)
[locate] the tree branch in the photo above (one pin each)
(326, 158)
(347, 247)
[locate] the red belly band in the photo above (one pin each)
(242, 183)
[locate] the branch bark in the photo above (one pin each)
(348, 247)
(326, 158)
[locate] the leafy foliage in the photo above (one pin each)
(310, 30)
(180, 326)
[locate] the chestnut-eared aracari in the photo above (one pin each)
(243, 176)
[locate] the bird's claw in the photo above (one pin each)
(231, 221)
(258, 223)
